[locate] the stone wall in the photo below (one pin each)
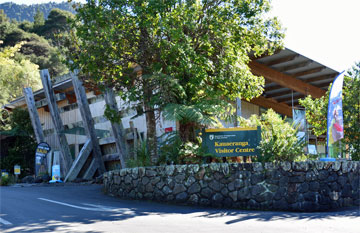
(297, 186)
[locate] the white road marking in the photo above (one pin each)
(112, 209)
(3, 221)
(92, 208)
(70, 205)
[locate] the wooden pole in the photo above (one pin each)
(117, 128)
(88, 121)
(57, 122)
(133, 131)
(238, 111)
(34, 115)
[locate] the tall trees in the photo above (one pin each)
(3, 17)
(16, 74)
(39, 50)
(56, 23)
(39, 19)
(185, 57)
(21, 12)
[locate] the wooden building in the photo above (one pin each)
(289, 76)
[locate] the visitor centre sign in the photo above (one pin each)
(228, 142)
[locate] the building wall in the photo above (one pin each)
(248, 109)
(71, 118)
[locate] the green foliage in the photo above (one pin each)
(56, 23)
(200, 114)
(112, 115)
(195, 51)
(21, 150)
(170, 148)
(352, 112)
(39, 19)
(4, 120)
(22, 12)
(26, 26)
(316, 112)
(278, 138)
(5, 181)
(174, 151)
(16, 74)
(3, 17)
(38, 50)
(191, 152)
(142, 157)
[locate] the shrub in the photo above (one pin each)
(278, 138)
(174, 151)
(142, 158)
(170, 148)
(6, 180)
(21, 150)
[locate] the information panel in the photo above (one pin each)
(40, 158)
(229, 142)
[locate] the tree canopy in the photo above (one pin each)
(16, 74)
(185, 55)
(41, 47)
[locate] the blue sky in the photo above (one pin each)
(323, 30)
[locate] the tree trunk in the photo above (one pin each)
(187, 132)
(151, 133)
(150, 122)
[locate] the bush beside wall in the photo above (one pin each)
(296, 186)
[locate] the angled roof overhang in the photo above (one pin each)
(290, 76)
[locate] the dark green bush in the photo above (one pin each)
(278, 138)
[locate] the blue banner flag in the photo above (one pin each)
(335, 126)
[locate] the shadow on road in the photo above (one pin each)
(106, 210)
(243, 215)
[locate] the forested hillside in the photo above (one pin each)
(27, 47)
(27, 12)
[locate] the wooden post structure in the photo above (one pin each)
(238, 111)
(57, 122)
(133, 131)
(79, 162)
(117, 128)
(34, 115)
(88, 122)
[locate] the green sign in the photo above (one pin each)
(227, 142)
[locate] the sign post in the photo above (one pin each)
(55, 174)
(230, 142)
(40, 158)
(17, 171)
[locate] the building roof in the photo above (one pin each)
(289, 76)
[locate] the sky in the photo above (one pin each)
(326, 31)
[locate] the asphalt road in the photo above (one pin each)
(84, 208)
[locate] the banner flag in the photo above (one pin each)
(299, 122)
(335, 126)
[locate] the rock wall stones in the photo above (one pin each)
(297, 186)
